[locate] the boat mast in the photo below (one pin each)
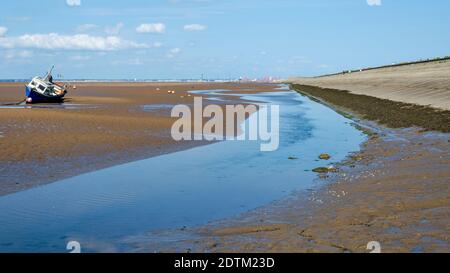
(49, 77)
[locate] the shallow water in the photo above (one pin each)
(156, 107)
(186, 188)
(68, 106)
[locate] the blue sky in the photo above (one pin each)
(219, 38)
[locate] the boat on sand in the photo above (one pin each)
(40, 90)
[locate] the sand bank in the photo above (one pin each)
(106, 124)
(423, 84)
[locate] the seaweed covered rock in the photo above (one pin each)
(324, 156)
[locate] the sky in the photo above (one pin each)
(182, 39)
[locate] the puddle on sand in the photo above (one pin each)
(156, 107)
(186, 188)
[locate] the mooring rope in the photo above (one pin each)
(13, 103)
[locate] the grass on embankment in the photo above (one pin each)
(390, 113)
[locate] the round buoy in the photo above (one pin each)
(74, 87)
(29, 100)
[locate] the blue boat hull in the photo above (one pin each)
(35, 97)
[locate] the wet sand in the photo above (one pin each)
(423, 83)
(106, 125)
(395, 191)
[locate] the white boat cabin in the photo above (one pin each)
(45, 87)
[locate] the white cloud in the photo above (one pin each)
(132, 61)
(21, 18)
(374, 2)
(54, 41)
(135, 61)
(14, 54)
(323, 66)
(115, 29)
(195, 27)
(151, 28)
(85, 27)
(298, 60)
(3, 30)
(73, 3)
(80, 58)
(173, 52)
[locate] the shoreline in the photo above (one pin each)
(394, 191)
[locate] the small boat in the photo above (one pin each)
(44, 90)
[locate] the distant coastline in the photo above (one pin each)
(122, 80)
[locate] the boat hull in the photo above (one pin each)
(35, 97)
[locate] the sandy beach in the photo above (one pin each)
(395, 191)
(423, 84)
(106, 124)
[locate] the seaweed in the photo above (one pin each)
(390, 113)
